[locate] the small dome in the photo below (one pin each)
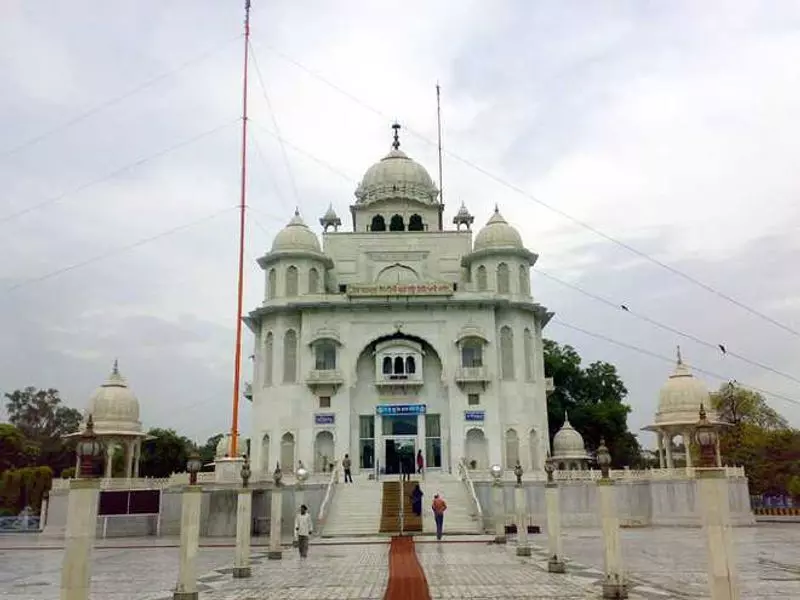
(296, 236)
(567, 442)
(680, 398)
(114, 407)
(497, 234)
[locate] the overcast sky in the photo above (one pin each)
(669, 126)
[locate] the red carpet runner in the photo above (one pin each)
(406, 578)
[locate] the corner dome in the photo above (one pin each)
(681, 396)
(567, 442)
(497, 234)
(296, 236)
(114, 407)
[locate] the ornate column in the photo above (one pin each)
(615, 584)
(555, 562)
(521, 504)
(138, 457)
(668, 443)
(498, 504)
(109, 459)
(660, 439)
(687, 444)
(129, 446)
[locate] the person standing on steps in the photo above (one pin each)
(303, 529)
(346, 464)
(420, 462)
(416, 500)
(439, 506)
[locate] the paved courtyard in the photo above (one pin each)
(664, 563)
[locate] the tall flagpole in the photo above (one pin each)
(243, 192)
(439, 128)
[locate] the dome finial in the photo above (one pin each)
(566, 418)
(115, 369)
(296, 211)
(680, 359)
(396, 141)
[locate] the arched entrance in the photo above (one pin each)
(265, 466)
(287, 453)
(324, 452)
(476, 449)
(512, 448)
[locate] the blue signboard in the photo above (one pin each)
(324, 419)
(474, 415)
(390, 410)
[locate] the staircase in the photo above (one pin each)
(390, 508)
(356, 509)
(460, 515)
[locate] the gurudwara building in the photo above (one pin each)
(398, 335)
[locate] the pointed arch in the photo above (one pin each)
(527, 340)
(411, 365)
(524, 280)
(291, 281)
(481, 278)
(313, 281)
(415, 223)
(503, 279)
(397, 223)
(269, 343)
(506, 353)
(512, 448)
(272, 284)
(378, 223)
(290, 357)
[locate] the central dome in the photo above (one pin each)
(114, 407)
(680, 399)
(396, 176)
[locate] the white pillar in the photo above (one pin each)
(379, 457)
(109, 460)
(274, 552)
(76, 573)
(668, 444)
(555, 562)
(244, 507)
(614, 585)
(186, 589)
(687, 445)
(129, 449)
(723, 579)
(138, 458)
(719, 454)
(521, 506)
(421, 435)
(660, 438)
(498, 502)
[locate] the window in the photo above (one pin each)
(272, 284)
(528, 342)
(268, 344)
(398, 366)
(290, 357)
(400, 425)
(387, 365)
(313, 281)
(291, 281)
(503, 283)
(411, 365)
(481, 277)
(397, 224)
(325, 355)
(378, 223)
(324, 401)
(473, 399)
(506, 353)
(433, 441)
(472, 353)
(524, 280)
(415, 223)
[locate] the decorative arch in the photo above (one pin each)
(503, 279)
(325, 355)
(265, 464)
(313, 281)
(291, 281)
(397, 273)
(287, 452)
(506, 353)
(324, 451)
(269, 343)
(415, 223)
(475, 448)
(272, 284)
(290, 357)
(527, 340)
(512, 448)
(480, 278)
(378, 223)
(397, 224)
(524, 280)
(472, 352)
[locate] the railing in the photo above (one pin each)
(617, 474)
(330, 490)
(470, 486)
(402, 502)
(19, 524)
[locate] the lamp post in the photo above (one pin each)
(274, 552)
(301, 474)
(496, 471)
(614, 585)
(186, 588)
(712, 484)
(555, 562)
(244, 509)
(82, 503)
(521, 505)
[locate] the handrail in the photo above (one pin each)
(402, 503)
(467, 480)
(327, 499)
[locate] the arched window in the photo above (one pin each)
(411, 365)
(506, 353)
(398, 365)
(290, 357)
(387, 365)
(503, 283)
(472, 353)
(527, 340)
(524, 280)
(291, 281)
(272, 284)
(481, 277)
(268, 344)
(378, 223)
(313, 281)
(415, 223)
(325, 355)
(397, 224)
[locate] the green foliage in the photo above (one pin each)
(737, 405)
(24, 487)
(593, 397)
(68, 473)
(164, 455)
(15, 449)
(208, 450)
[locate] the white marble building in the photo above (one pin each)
(398, 336)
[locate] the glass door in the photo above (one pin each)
(400, 452)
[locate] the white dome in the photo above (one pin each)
(296, 236)
(497, 234)
(680, 399)
(396, 176)
(114, 407)
(568, 443)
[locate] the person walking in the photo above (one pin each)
(416, 500)
(303, 529)
(420, 462)
(439, 506)
(346, 464)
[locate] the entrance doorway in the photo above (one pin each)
(400, 451)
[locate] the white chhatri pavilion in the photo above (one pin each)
(569, 450)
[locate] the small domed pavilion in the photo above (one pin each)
(569, 451)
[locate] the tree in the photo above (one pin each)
(44, 421)
(164, 455)
(15, 449)
(593, 397)
(735, 405)
(209, 450)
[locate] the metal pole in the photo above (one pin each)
(402, 503)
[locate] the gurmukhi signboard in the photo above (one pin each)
(400, 289)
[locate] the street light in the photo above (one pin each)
(496, 471)
(603, 458)
(301, 474)
(193, 466)
(706, 437)
(89, 449)
(245, 472)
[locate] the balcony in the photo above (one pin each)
(472, 378)
(324, 380)
(400, 381)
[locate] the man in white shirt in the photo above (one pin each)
(302, 529)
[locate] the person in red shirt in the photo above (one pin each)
(439, 506)
(420, 462)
